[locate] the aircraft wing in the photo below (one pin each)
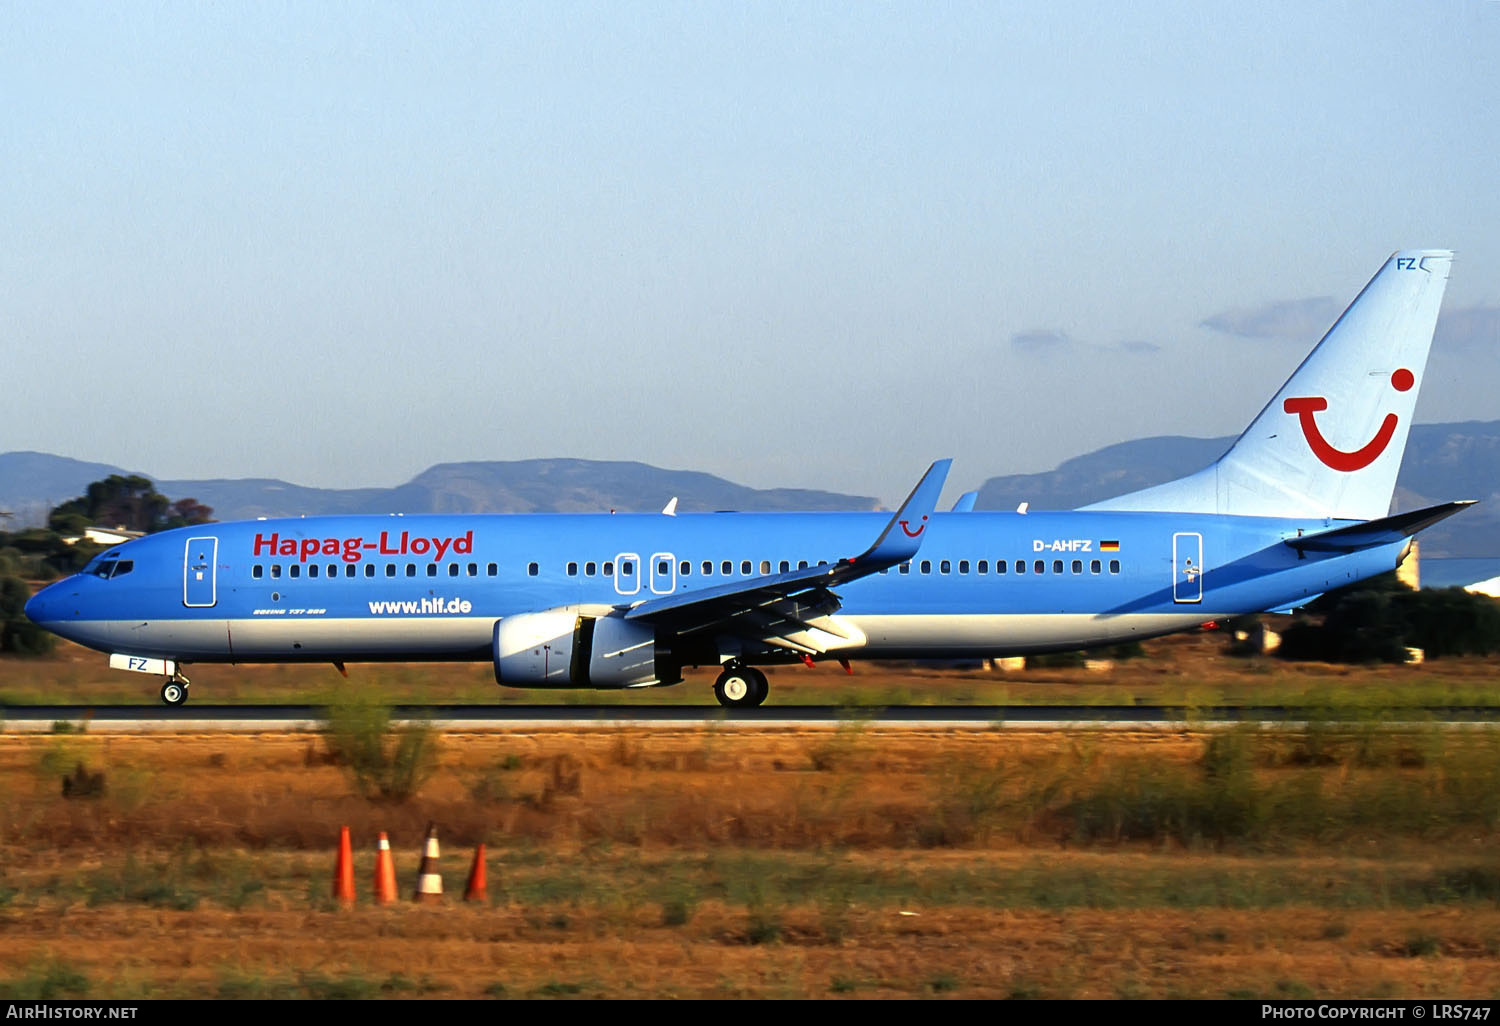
(775, 606)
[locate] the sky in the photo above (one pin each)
(803, 244)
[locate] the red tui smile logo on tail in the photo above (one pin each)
(1307, 408)
(906, 526)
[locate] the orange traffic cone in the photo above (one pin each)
(429, 882)
(343, 872)
(385, 872)
(475, 891)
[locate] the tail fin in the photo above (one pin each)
(1330, 443)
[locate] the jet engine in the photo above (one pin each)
(561, 648)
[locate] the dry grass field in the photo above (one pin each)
(1351, 855)
(725, 862)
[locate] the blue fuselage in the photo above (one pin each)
(432, 587)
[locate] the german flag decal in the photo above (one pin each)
(1109, 546)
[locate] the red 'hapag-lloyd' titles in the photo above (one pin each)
(352, 550)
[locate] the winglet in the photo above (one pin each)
(965, 503)
(671, 508)
(903, 535)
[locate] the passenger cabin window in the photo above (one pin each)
(255, 571)
(369, 569)
(609, 568)
(926, 566)
(983, 567)
(785, 566)
(473, 569)
(572, 569)
(963, 566)
(802, 564)
(1114, 566)
(765, 566)
(1078, 566)
(590, 568)
(532, 569)
(726, 568)
(1057, 566)
(275, 569)
(390, 569)
(1094, 567)
(453, 569)
(294, 571)
(707, 568)
(745, 567)
(906, 567)
(1020, 566)
(663, 568)
(350, 571)
(945, 567)
(312, 571)
(411, 569)
(1001, 566)
(1039, 567)
(431, 569)
(492, 569)
(685, 568)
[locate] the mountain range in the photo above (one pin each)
(1443, 462)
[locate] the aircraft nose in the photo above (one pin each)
(63, 609)
(46, 606)
(38, 606)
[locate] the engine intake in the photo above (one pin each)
(560, 648)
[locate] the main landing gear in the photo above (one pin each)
(741, 686)
(175, 691)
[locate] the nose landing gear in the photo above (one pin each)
(175, 691)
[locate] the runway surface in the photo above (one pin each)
(290, 718)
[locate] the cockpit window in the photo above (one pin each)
(103, 568)
(123, 567)
(108, 568)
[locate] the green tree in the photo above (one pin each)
(1378, 620)
(128, 501)
(185, 513)
(1449, 621)
(18, 634)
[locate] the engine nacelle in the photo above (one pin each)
(561, 648)
(536, 649)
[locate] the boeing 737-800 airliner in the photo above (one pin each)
(1298, 505)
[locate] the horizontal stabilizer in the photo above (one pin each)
(965, 503)
(1376, 532)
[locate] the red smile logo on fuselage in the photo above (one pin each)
(1307, 408)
